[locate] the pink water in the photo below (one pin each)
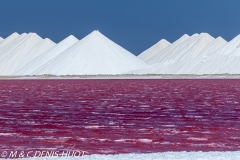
(120, 116)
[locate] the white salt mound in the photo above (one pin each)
(190, 64)
(190, 48)
(11, 44)
(45, 57)
(228, 48)
(213, 46)
(9, 39)
(1, 40)
(26, 57)
(235, 52)
(95, 54)
(158, 57)
(150, 52)
(225, 60)
(23, 49)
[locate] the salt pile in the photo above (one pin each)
(169, 49)
(9, 39)
(213, 46)
(14, 43)
(235, 52)
(186, 66)
(213, 56)
(23, 49)
(189, 48)
(219, 61)
(1, 40)
(150, 52)
(24, 58)
(229, 47)
(95, 54)
(43, 58)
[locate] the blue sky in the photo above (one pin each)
(133, 24)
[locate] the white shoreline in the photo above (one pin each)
(165, 76)
(154, 156)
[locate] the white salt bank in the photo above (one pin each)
(26, 57)
(150, 52)
(95, 54)
(22, 50)
(186, 56)
(158, 57)
(229, 47)
(190, 48)
(9, 39)
(213, 46)
(224, 60)
(12, 44)
(192, 66)
(1, 40)
(235, 52)
(45, 57)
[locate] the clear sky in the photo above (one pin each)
(134, 24)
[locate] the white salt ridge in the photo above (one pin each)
(229, 47)
(184, 66)
(45, 57)
(193, 66)
(1, 40)
(13, 43)
(22, 59)
(158, 57)
(213, 46)
(150, 52)
(188, 49)
(153, 156)
(235, 52)
(225, 60)
(212, 63)
(95, 54)
(15, 56)
(9, 39)
(221, 64)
